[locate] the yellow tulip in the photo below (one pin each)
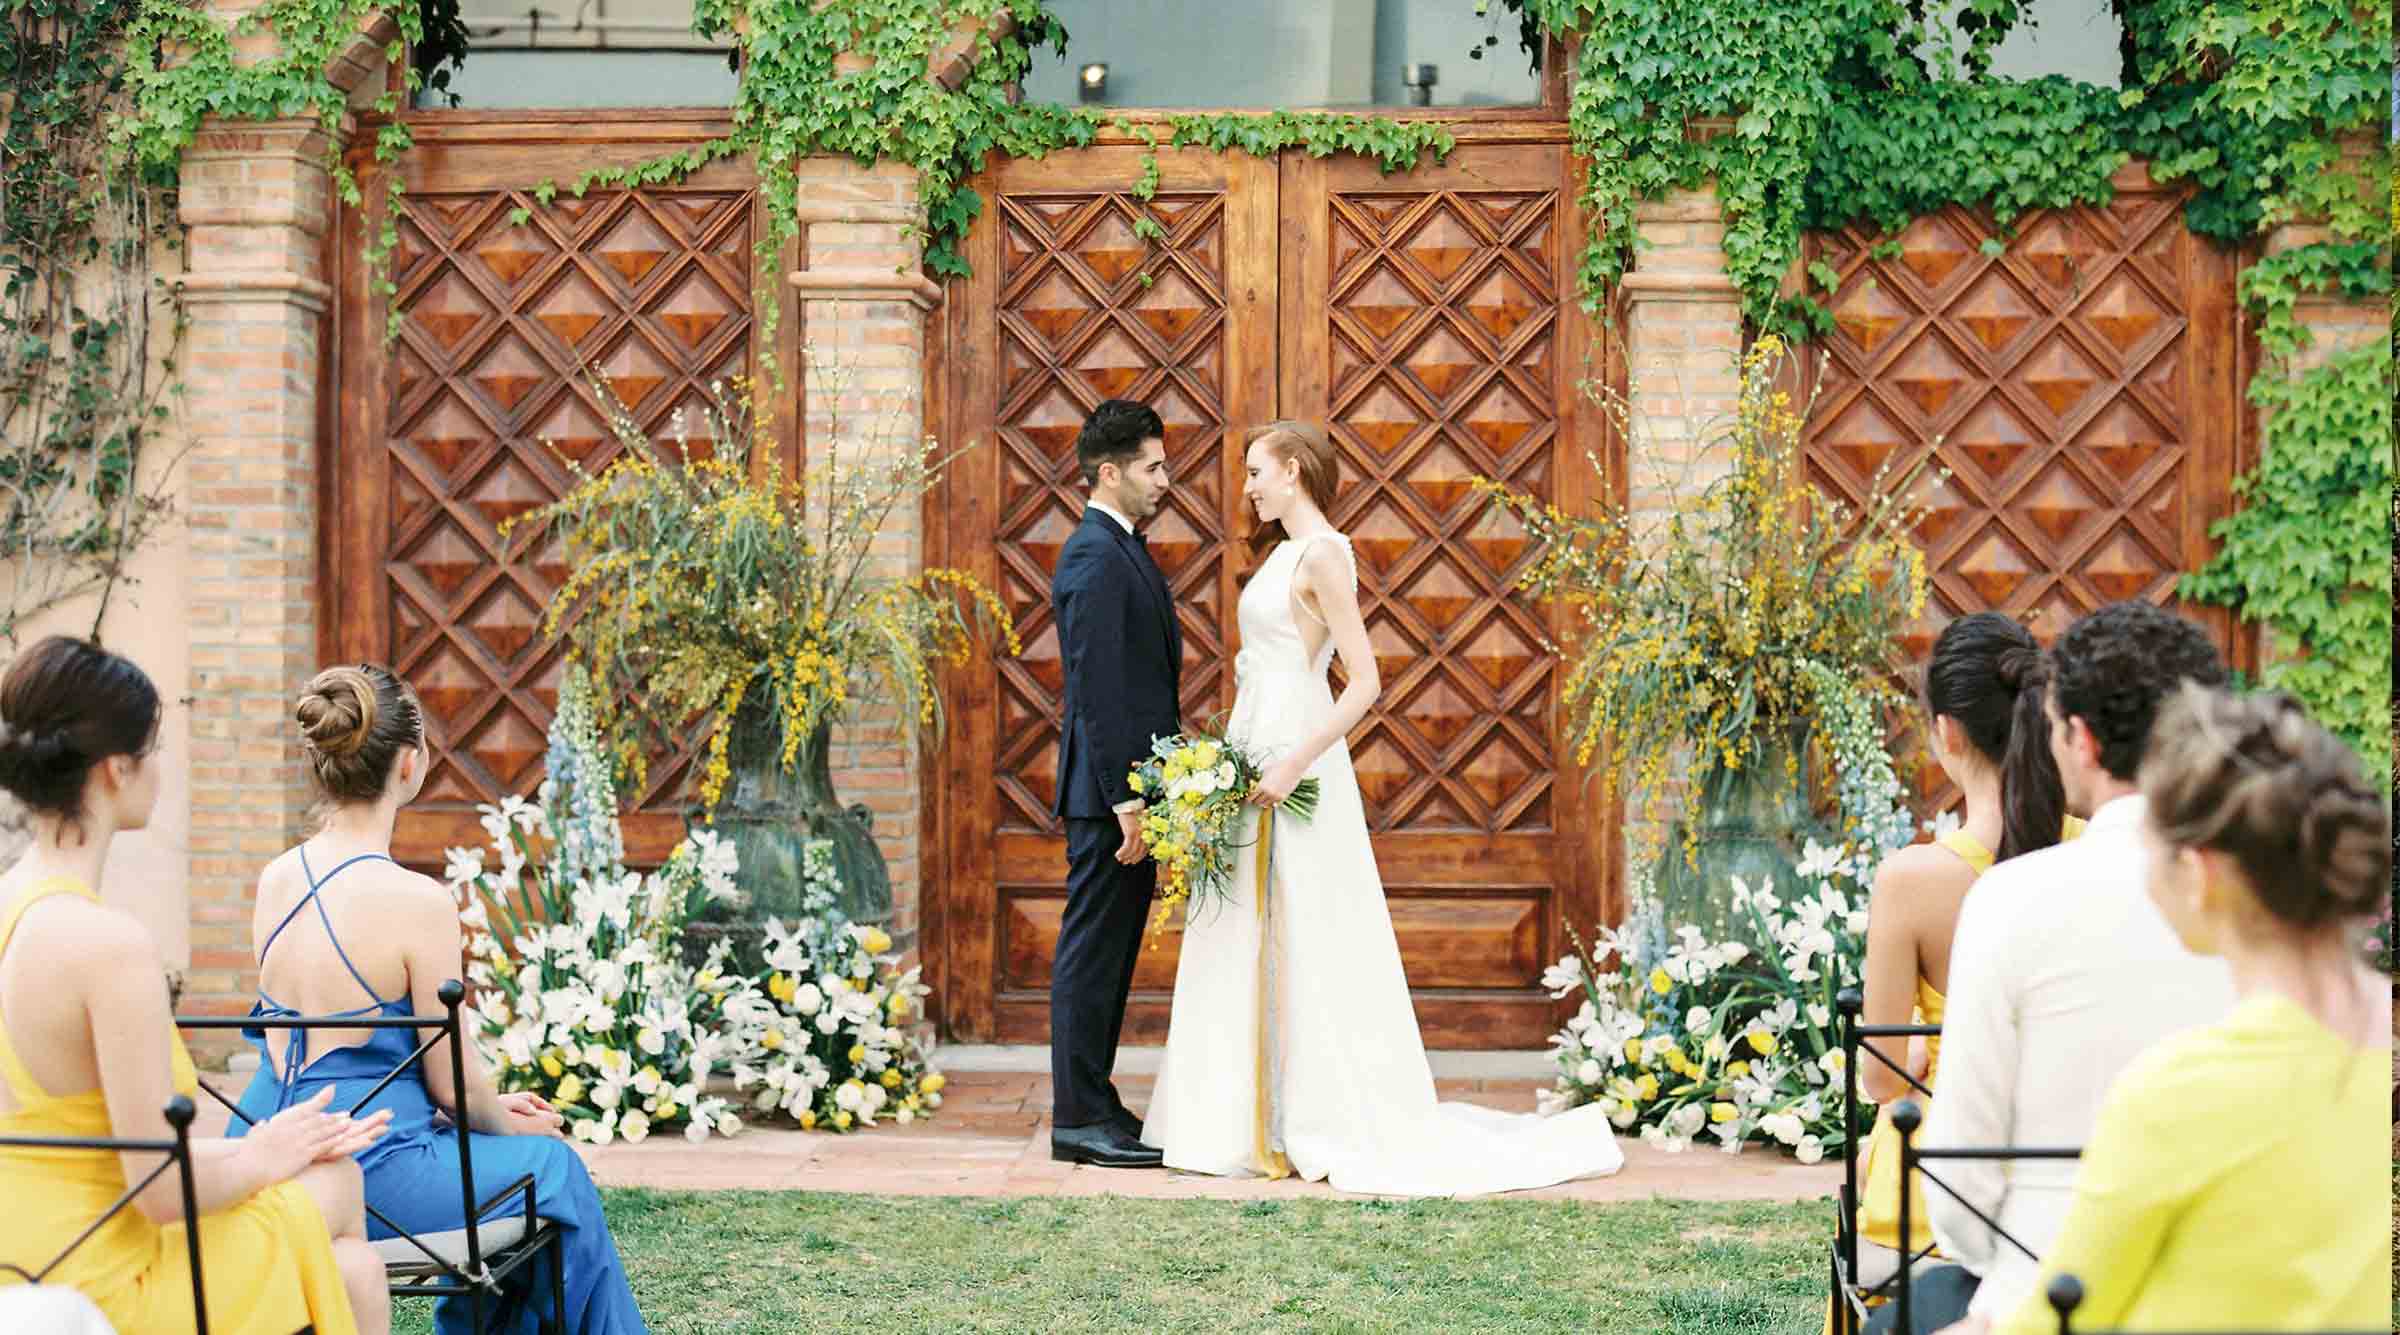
(1722, 1112)
(877, 941)
(808, 1119)
(891, 1077)
(783, 987)
(932, 1084)
(1647, 1086)
(550, 1066)
(858, 1053)
(841, 1119)
(1762, 1041)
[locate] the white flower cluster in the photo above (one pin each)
(582, 993)
(1685, 1037)
(1202, 783)
(826, 1041)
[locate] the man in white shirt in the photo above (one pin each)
(2062, 969)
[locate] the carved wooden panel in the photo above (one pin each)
(1087, 311)
(1442, 330)
(460, 421)
(488, 387)
(1430, 322)
(2076, 378)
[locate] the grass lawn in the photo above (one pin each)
(794, 1261)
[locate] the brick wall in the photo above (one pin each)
(863, 304)
(1682, 322)
(257, 201)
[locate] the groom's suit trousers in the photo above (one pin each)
(1099, 942)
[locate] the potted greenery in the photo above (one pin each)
(1699, 628)
(713, 590)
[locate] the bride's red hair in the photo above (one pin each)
(1320, 472)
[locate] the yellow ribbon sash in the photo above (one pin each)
(1269, 1158)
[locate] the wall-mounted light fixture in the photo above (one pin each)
(1091, 82)
(1419, 81)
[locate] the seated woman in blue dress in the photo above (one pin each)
(342, 930)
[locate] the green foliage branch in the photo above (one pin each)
(189, 64)
(87, 335)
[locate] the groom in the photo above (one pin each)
(1123, 656)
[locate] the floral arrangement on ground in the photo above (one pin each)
(1681, 1036)
(583, 995)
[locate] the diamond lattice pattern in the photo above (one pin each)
(489, 387)
(2046, 373)
(1442, 329)
(1089, 310)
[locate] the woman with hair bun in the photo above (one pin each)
(89, 1050)
(342, 931)
(2235, 1179)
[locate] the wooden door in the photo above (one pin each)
(1068, 306)
(1430, 321)
(1278, 289)
(460, 420)
(2077, 379)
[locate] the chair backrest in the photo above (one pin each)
(2065, 1294)
(177, 1155)
(1909, 1118)
(447, 1029)
(1850, 1003)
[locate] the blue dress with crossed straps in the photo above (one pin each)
(412, 1173)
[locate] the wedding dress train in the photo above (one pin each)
(1309, 999)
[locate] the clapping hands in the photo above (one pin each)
(306, 1134)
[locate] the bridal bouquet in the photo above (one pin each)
(1195, 785)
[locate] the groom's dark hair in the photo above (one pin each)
(1113, 434)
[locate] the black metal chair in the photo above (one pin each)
(1908, 1117)
(468, 1262)
(1852, 1290)
(178, 1155)
(2066, 1294)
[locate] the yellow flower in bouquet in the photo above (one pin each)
(1197, 786)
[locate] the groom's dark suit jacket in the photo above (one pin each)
(1123, 655)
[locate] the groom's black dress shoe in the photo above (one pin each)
(1102, 1145)
(1126, 1122)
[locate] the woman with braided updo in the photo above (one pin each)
(343, 931)
(2235, 1180)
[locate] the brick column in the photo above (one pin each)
(863, 301)
(1682, 322)
(2337, 323)
(257, 200)
(1683, 339)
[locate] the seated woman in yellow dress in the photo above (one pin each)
(89, 1050)
(1983, 697)
(2235, 1180)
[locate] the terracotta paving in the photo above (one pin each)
(992, 1138)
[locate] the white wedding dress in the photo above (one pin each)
(1312, 1001)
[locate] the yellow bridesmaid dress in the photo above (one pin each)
(268, 1261)
(1879, 1159)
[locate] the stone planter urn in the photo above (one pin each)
(1750, 822)
(770, 815)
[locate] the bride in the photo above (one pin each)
(1292, 1046)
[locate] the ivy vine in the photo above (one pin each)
(82, 319)
(185, 68)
